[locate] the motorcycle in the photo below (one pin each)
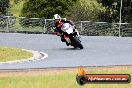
(71, 35)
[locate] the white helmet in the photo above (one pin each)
(56, 17)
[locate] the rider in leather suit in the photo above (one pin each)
(58, 25)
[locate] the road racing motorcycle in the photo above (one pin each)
(71, 35)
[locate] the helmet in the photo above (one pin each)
(56, 17)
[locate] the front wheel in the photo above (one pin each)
(77, 43)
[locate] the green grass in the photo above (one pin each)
(10, 54)
(62, 80)
(32, 29)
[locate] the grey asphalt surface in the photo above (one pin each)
(98, 50)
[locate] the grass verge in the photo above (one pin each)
(10, 54)
(60, 78)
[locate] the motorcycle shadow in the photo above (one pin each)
(69, 49)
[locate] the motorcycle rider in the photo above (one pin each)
(58, 21)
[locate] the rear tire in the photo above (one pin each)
(78, 43)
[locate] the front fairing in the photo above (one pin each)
(66, 27)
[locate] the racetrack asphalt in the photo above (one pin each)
(98, 50)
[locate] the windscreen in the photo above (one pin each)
(65, 26)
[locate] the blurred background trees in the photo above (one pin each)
(112, 8)
(46, 8)
(4, 4)
(93, 10)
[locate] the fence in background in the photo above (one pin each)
(105, 29)
(41, 25)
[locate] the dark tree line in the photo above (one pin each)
(113, 10)
(75, 9)
(4, 4)
(46, 8)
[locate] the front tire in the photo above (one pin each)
(77, 43)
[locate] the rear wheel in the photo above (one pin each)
(77, 43)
